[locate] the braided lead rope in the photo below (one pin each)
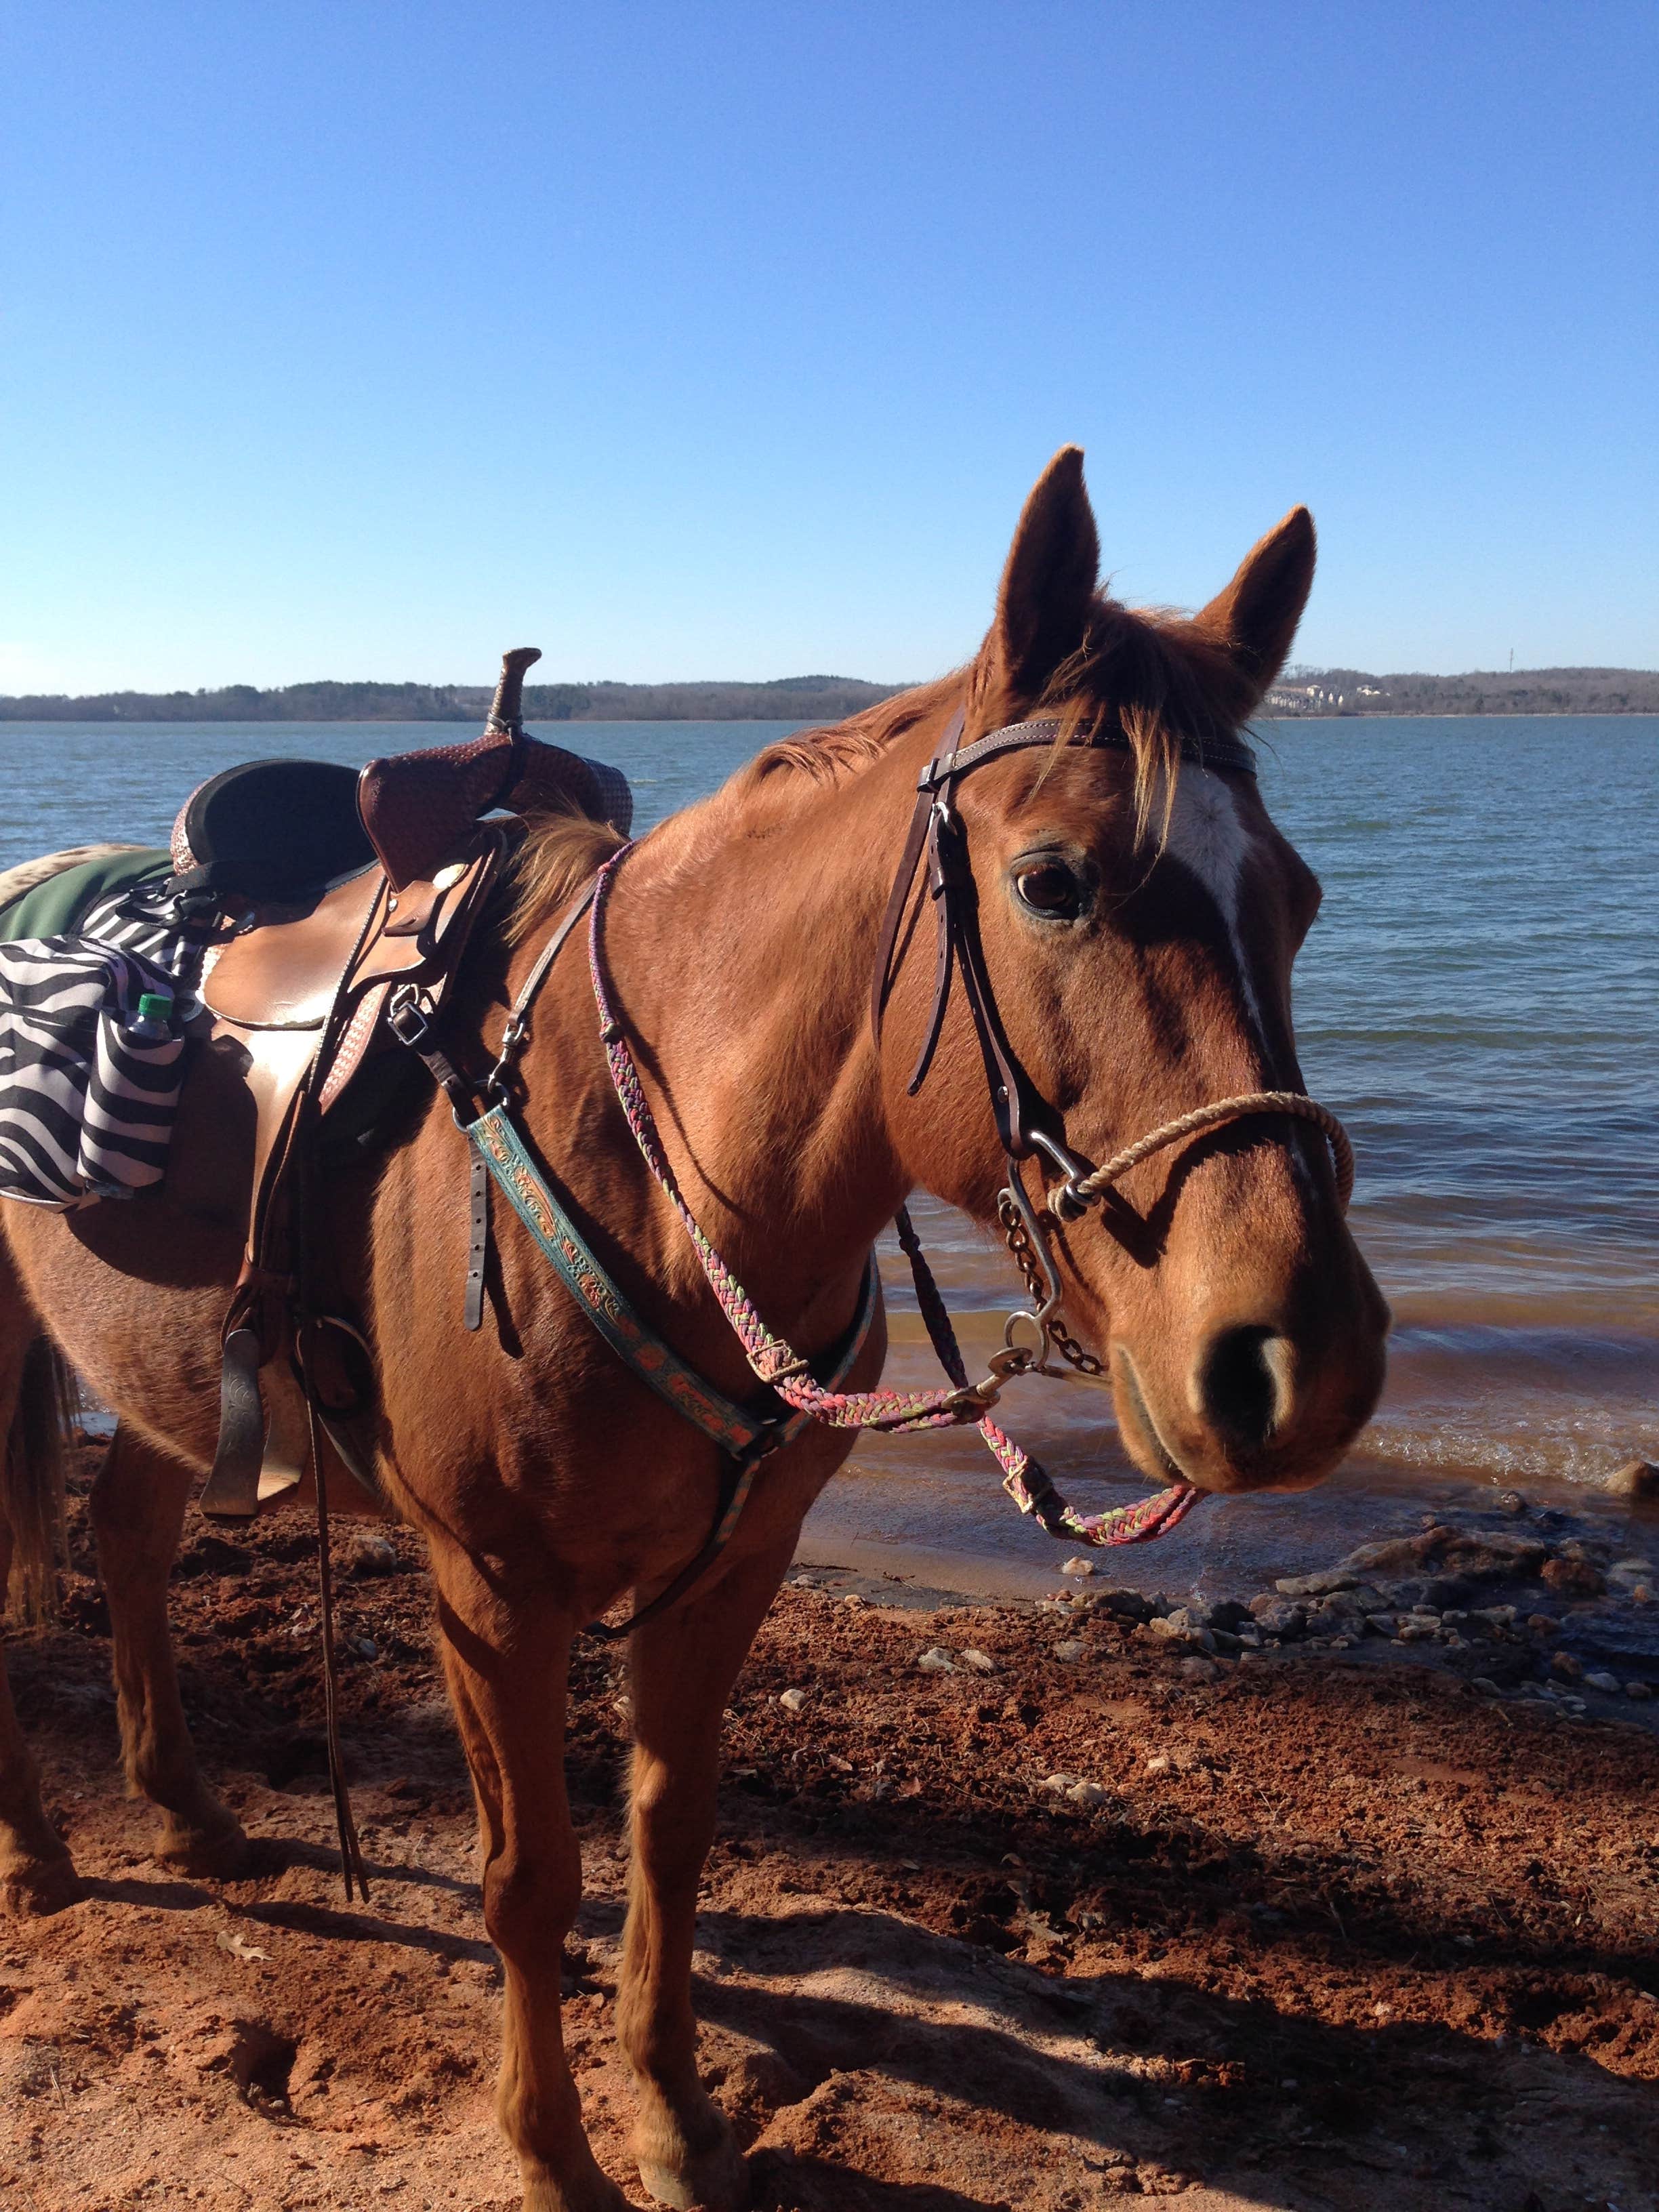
(1025, 1482)
(1070, 1199)
(882, 1411)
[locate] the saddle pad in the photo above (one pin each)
(55, 908)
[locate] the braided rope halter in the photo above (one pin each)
(1026, 1124)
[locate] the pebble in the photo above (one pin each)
(1319, 1585)
(1278, 1616)
(367, 1646)
(1219, 1613)
(1071, 1650)
(1642, 1690)
(1566, 1666)
(374, 1556)
(1126, 1604)
(981, 1661)
(1572, 1577)
(1625, 1574)
(1159, 1762)
(1205, 1670)
(853, 1601)
(1638, 1478)
(1511, 1501)
(1077, 1567)
(1060, 1783)
(1089, 1793)
(792, 1700)
(935, 1661)
(1180, 1625)
(1608, 1684)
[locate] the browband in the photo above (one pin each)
(1224, 751)
(935, 827)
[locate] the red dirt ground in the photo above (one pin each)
(1334, 1934)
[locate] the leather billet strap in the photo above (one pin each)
(1026, 1120)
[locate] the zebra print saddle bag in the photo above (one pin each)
(90, 1077)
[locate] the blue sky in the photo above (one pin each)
(362, 339)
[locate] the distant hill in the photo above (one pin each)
(789, 699)
(1511, 691)
(824, 699)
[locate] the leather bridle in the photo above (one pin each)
(1027, 1123)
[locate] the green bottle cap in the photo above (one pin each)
(153, 1007)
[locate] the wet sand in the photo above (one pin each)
(1093, 1914)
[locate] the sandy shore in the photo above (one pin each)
(1099, 1912)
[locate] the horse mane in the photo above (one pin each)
(1155, 675)
(560, 854)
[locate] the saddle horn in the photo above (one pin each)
(506, 714)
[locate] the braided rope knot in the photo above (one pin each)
(1073, 1199)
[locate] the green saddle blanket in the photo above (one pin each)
(54, 909)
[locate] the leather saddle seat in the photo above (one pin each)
(271, 829)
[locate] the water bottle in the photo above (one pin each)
(154, 1021)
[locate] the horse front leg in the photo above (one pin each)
(138, 1501)
(507, 1664)
(683, 1667)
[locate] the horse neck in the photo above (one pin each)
(738, 943)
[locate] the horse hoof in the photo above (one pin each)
(714, 2180)
(46, 1886)
(546, 2195)
(220, 1853)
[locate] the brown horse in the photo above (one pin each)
(1139, 917)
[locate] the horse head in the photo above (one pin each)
(1138, 915)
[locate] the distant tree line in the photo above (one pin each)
(791, 699)
(1499, 692)
(823, 699)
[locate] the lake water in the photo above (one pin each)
(1479, 1001)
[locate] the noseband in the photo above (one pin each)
(1026, 1122)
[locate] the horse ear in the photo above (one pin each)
(1048, 585)
(1256, 617)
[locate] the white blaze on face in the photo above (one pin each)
(1207, 835)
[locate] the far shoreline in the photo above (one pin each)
(673, 721)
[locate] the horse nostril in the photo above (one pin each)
(1242, 1384)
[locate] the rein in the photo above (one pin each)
(1027, 1124)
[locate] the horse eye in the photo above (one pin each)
(1050, 889)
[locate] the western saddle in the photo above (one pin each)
(341, 905)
